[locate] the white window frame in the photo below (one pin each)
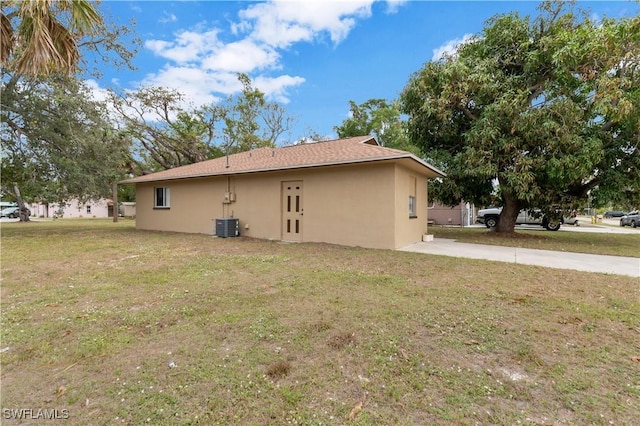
(413, 197)
(165, 199)
(412, 206)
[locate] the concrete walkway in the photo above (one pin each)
(552, 259)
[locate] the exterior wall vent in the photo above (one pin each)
(227, 227)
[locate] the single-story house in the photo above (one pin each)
(101, 208)
(350, 191)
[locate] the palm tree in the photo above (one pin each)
(44, 38)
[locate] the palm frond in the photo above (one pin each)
(84, 17)
(47, 35)
(6, 39)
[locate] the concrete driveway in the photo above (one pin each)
(617, 265)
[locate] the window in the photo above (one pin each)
(413, 186)
(162, 198)
(88, 209)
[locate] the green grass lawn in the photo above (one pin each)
(120, 326)
(578, 242)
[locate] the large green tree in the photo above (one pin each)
(57, 143)
(379, 118)
(164, 133)
(534, 113)
(48, 149)
(249, 121)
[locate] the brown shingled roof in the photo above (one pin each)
(358, 149)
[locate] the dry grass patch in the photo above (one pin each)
(127, 327)
(342, 339)
(279, 369)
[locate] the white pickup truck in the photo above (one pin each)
(490, 218)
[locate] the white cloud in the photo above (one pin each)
(282, 23)
(450, 47)
(241, 56)
(277, 88)
(168, 17)
(198, 85)
(203, 61)
(188, 46)
(394, 5)
(98, 94)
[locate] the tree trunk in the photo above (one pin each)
(114, 197)
(509, 214)
(24, 212)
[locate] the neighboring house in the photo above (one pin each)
(350, 191)
(101, 208)
(461, 215)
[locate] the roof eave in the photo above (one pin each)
(437, 171)
(292, 167)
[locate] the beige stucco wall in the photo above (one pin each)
(409, 230)
(194, 206)
(462, 214)
(364, 205)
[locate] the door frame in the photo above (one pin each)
(292, 210)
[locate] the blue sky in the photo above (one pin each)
(312, 56)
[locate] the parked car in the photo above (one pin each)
(632, 219)
(614, 213)
(571, 219)
(489, 217)
(12, 212)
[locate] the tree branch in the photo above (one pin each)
(466, 112)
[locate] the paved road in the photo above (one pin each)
(552, 259)
(609, 226)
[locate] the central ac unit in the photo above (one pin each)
(227, 227)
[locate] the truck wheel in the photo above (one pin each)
(491, 222)
(552, 226)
